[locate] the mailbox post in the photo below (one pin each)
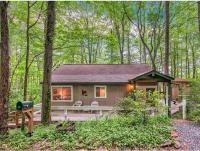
(25, 108)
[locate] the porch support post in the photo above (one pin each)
(169, 98)
(184, 108)
(134, 85)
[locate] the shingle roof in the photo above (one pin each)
(98, 73)
(180, 80)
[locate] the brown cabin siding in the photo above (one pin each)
(114, 93)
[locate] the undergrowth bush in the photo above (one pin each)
(120, 131)
(139, 101)
(193, 102)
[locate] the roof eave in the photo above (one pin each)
(67, 83)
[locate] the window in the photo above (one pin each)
(62, 93)
(100, 92)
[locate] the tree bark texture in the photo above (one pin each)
(46, 88)
(198, 3)
(4, 77)
(166, 62)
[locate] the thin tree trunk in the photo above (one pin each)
(161, 60)
(27, 52)
(82, 60)
(174, 60)
(193, 63)
(128, 46)
(193, 59)
(4, 74)
(186, 55)
(140, 50)
(198, 3)
(120, 37)
(144, 48)
(46, 87)
(123, 33)
(27, 61)
(177, 62)
(181, 66)
(166, 66)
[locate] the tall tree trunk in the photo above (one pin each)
(166, 66)
(140, 50)
(46, 87)
(82, 59)
(186, 55)
(174, 60)
(144, 29)
(128, 46)
(181, 66)
(198, 3)
(120, 37)
(27, 61)
(161, 60)
(177, 62)
(27, 51)
(4, 74)
(193, 63)
(123, 36)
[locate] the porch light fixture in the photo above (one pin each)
(130, 87)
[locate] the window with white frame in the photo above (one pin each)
(62, 93)
(100, 91)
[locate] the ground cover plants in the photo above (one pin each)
(117, 132)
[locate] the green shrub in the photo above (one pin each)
(193, 102)
(139, 101)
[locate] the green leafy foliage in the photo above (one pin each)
(111, 133)
(139, 101)
(193, 102)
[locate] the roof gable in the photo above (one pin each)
(153, 75)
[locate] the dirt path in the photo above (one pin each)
(189, 134)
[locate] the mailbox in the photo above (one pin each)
(24, 105)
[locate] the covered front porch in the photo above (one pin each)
(75, 113)
(155, 81)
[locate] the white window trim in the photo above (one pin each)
(104, 86)
(145, 87)
(72, 93)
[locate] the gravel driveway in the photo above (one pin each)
(189, 133)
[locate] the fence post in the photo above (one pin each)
(184, 108)
(65, 114)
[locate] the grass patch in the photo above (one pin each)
(120, 131)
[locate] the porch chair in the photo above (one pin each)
(78, 103)
(94, 104)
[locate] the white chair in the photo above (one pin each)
(94, 104)
(77, 103)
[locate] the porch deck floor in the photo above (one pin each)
(71, 116)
